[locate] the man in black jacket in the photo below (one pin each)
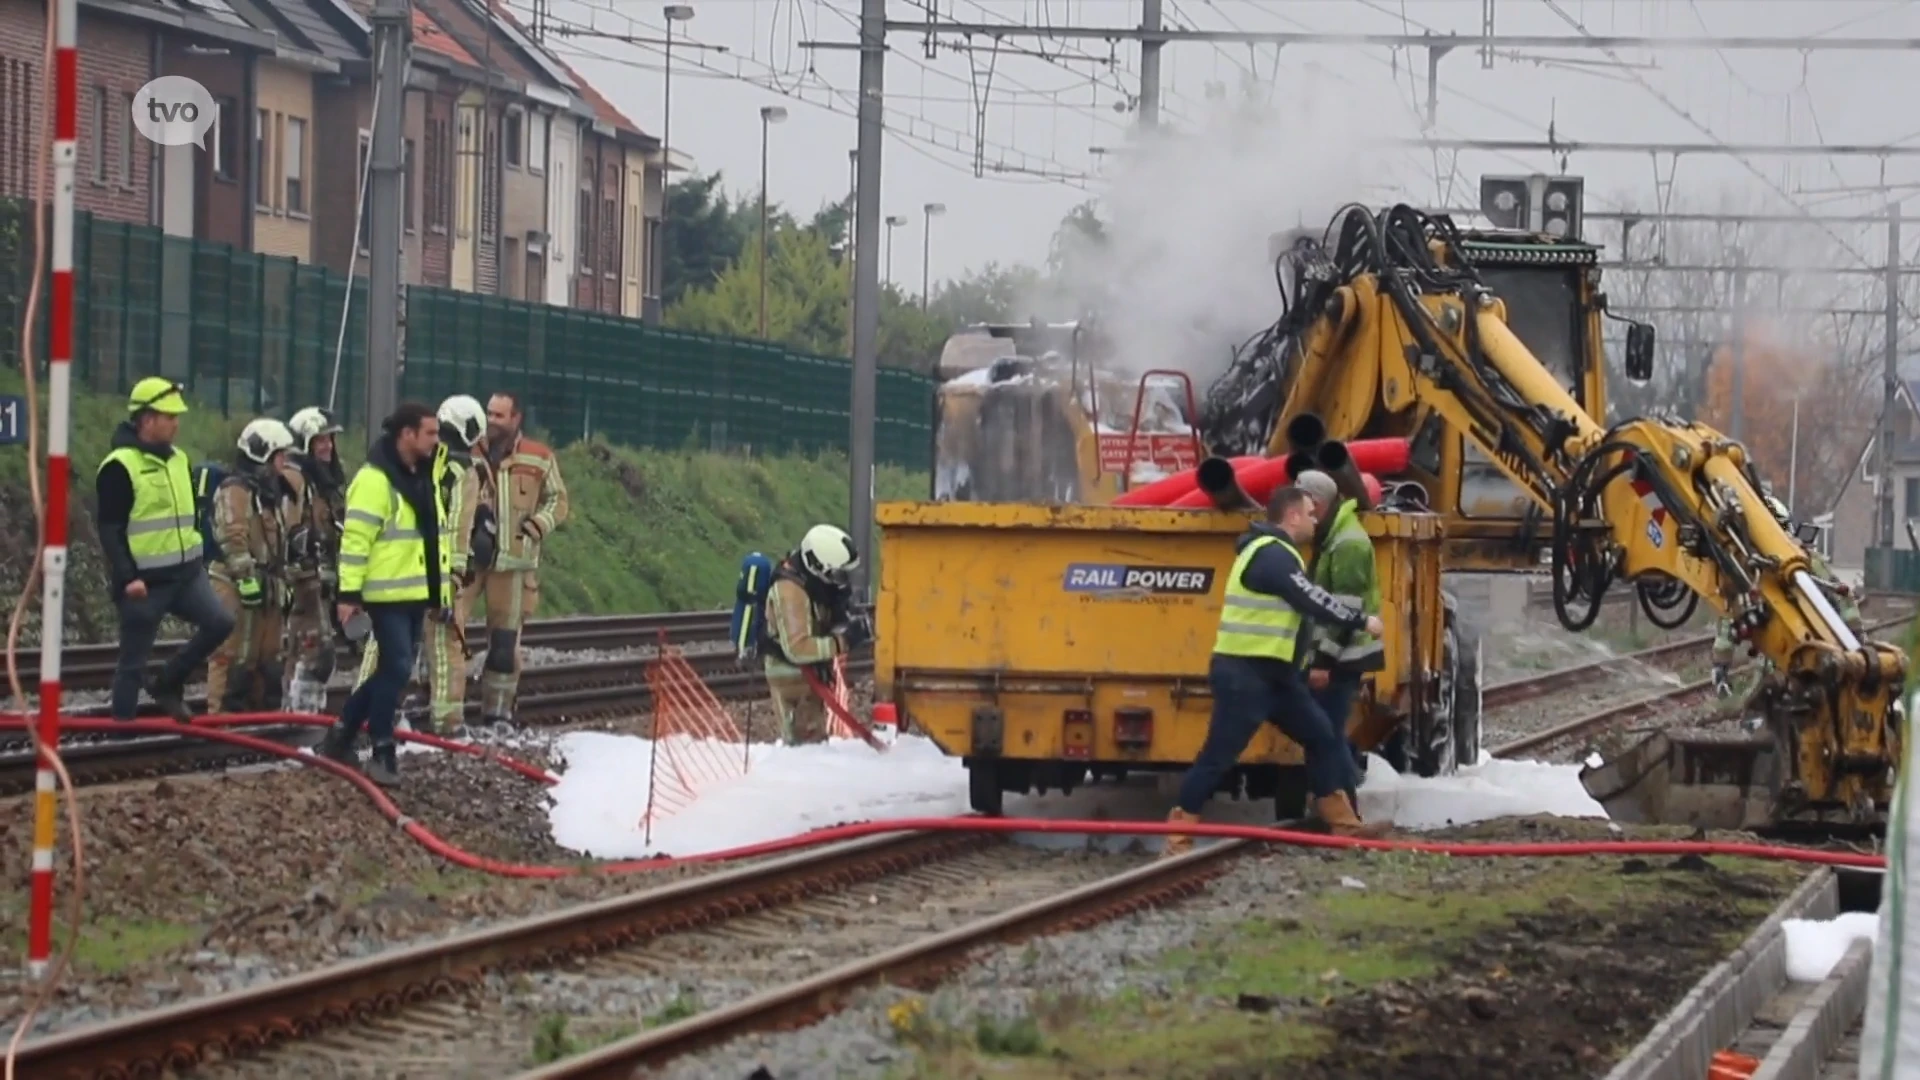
(1255, 670)
(144, 511)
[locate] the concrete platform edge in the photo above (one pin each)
(1723, 1002)
(1822, 1020)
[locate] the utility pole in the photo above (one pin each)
(866, 288)
(392, 22)
(1150, 64)
(853, 186)
(1890, 381)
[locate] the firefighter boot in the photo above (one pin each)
(1337, 811)
(1176, 843)
(384, 767)
(337, 746)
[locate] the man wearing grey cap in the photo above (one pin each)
(1342, 565)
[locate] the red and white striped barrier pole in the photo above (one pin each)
(66, 113)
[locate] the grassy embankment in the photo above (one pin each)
(650, 530)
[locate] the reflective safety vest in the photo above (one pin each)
(161, 530)
(1361, 648)
(1255, 624)
(382, 554)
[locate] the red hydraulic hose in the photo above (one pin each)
(1163, 491)
(211, 728)
(1385, 456)
(1258, 481)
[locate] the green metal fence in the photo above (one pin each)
(258, 334)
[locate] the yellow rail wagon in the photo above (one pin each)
(1050, 646)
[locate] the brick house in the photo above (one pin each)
(520, 179)
(604, 217)
(119, 175)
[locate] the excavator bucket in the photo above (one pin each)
(1708, 782)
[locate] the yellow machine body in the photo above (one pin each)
(1484, 350)
(1048, 645)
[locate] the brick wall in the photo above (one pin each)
(222, 201)
(413, 132)
(597, 267)
(284, 92)
(340, 110)
(114, 175)
(435, 169)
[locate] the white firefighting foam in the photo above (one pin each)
(601, 798)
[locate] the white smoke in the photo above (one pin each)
(1185, 273)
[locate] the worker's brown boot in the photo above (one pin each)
(1177, 844)
(1338, 813)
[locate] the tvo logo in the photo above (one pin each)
(174, 110)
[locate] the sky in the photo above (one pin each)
(1051, 107)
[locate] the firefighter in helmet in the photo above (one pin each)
(253, 513)
(319, 486)
(809, 621)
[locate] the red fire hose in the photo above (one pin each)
(212, 729)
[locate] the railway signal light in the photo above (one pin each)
(1560, 199)
(1536, 203)
(1506, 201)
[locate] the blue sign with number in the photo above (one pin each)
(13, 419)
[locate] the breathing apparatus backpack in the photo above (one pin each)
(206, 481)
(748, 626)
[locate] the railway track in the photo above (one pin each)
(90, 667)
(1671, 654)
(550, 694)
(780, 941)
(1626, 713)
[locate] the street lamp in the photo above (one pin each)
(769, 116)
(893, 222)
(674, 13)
(933, 210)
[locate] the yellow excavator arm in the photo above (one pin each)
(1407, 338)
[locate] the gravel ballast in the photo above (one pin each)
(1315, 965)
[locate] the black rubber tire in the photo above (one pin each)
(1437, 755)
(983, 788)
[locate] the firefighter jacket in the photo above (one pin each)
(253, 512)
(320, 493)
(1343, 565)
(465, 485)
(530, 499)
(800, 625)
(393, 550)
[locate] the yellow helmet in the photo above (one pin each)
(160, 395)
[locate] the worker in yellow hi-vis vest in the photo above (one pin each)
(394, 568)
(144, 511)
(1255, 670)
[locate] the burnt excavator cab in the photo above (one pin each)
(1029, 413)
(1009, 417)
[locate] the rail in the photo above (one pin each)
(1628, 712)
(249, 1021)
(1150, 885)
(90, 667)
